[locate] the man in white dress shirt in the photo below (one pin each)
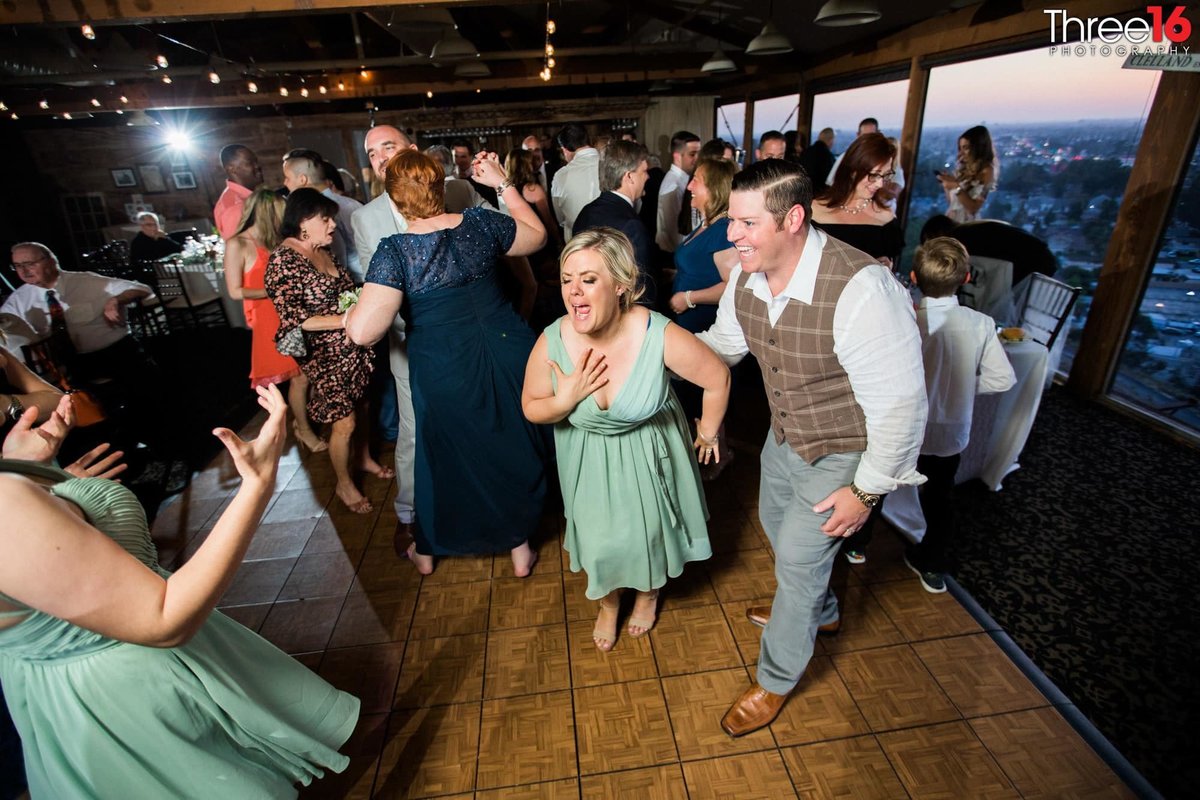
(835, 336)
(373, 223)
(685, 152)
(577, 183)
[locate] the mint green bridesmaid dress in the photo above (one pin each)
(226, 715)
(631, 487)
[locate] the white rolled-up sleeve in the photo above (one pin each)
(877, 342)
(725, 337)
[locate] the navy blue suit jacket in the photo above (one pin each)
(613, 211)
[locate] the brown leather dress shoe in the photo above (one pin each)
(755, 709)
(761, 615)
(402, 538)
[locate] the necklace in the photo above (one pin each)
(853, 211)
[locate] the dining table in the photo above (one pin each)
(1000, 427)
(202, 271)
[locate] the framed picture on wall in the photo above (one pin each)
(152, 178)
(183, 179)
(123, 178)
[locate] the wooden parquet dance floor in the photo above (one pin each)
(477, 684)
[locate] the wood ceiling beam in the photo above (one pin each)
(687, 20)
(383, 85)
(96, 12)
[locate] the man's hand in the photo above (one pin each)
(848, 514)
(114, 313)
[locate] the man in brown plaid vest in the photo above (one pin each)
(836, 339)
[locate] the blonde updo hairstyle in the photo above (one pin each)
(417, 184)
(616, 251)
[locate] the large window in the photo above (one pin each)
(843, 110)
(1159, 369)
(1065, 131)
(774, 114)
(731, 123)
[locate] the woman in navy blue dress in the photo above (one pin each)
(480, 477)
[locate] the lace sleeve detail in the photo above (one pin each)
(387, 266)
(501, 227)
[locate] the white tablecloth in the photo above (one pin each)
(202, 281)
(999, 429)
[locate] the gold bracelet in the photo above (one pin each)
(705, 440)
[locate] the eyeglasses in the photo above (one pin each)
(27, 264)
(880, 177)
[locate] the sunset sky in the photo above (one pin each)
(1022, 87)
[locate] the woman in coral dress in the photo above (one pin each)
(246, 257)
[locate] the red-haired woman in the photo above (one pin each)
(479, 479)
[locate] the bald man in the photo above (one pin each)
(373, 223)
(534, 146)
(303, 168)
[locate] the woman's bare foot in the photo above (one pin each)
(424, 564)
(354, 500)
(604, 636)
(308, 438)
(645, 612)
(523, 558)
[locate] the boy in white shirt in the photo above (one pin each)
(963, 358)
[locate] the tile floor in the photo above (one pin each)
(477, 684)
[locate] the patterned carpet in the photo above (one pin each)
(1088, 559)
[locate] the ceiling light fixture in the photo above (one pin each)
(213, 77)
(166, 79)
(429, 94)
(14, 115)
(123, 99)
(3, 107)
(341, 86)
(253, 87)
(95, 103)
(472, 69)
(844, 13)
(548, 62)
(363, 73)
(453, 45)
(770, 42)
(88, 32)
(161, 61)
(43, 104)
(66, 115)
(322, 89)
(283, 92)
(119, 112)
(304, 91)
(718, 63)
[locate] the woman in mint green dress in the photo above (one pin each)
(631, 487)
(121, 678)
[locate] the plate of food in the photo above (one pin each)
(1012, 334)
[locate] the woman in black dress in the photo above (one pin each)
(854, 208)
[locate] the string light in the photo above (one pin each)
(429, 94)
(66, 115)
(363, 72)
(119, 111)
(3, 107)
(166, 79)
(304, 91)
(14, 115)
(253, 87)
(548, 62)
(95, 103)
(124, 99)
(43, 104)
(322, 89)
(213, 77)
(283, 92)
(88, 32)
(161, 61)
(341, 86)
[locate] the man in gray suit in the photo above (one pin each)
(372, 223)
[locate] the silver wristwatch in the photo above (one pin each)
(15, 408)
